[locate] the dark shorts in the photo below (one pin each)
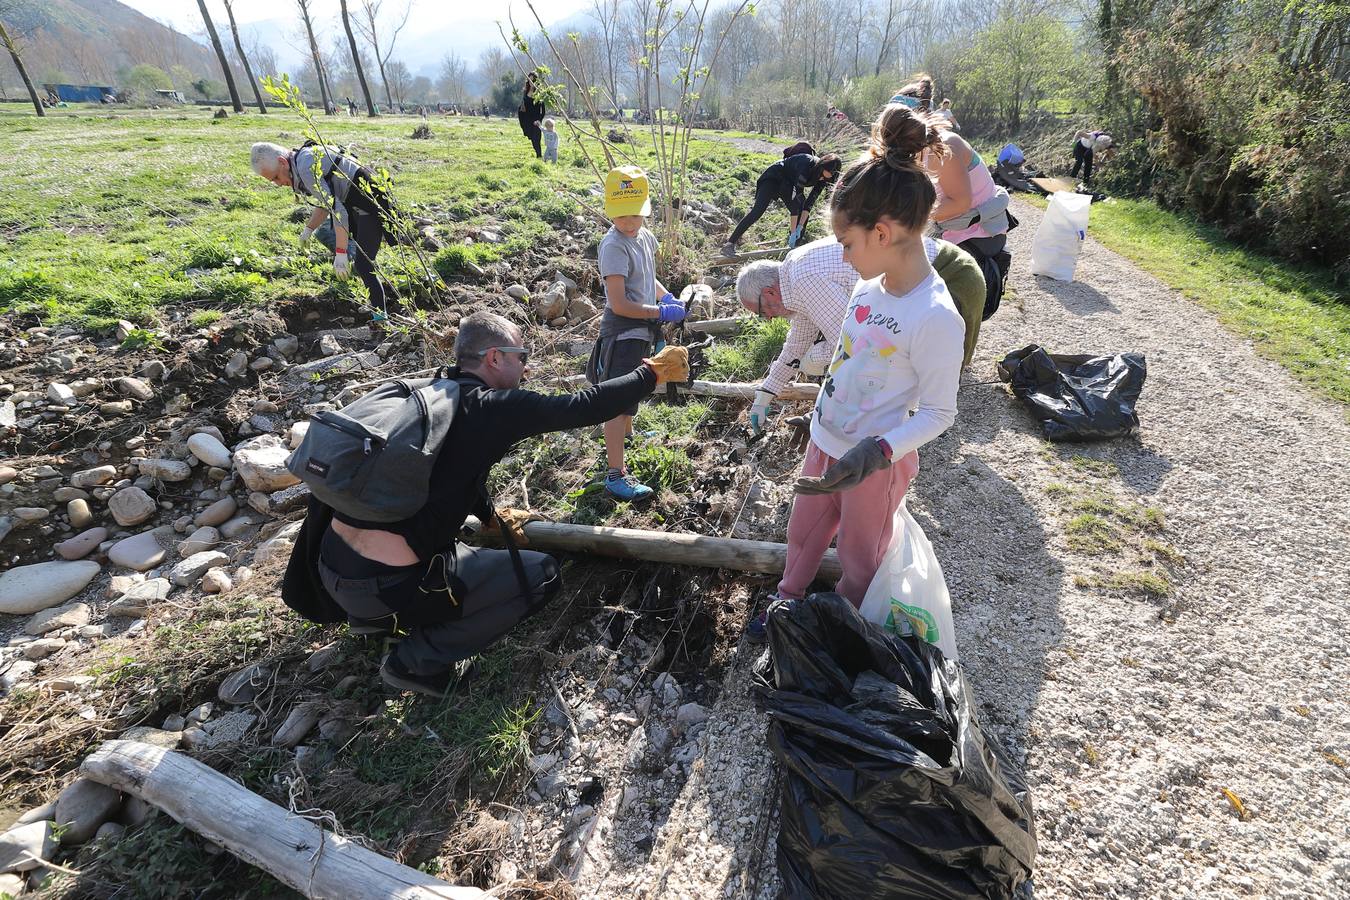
(611, 358)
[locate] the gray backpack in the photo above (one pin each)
(373, 459)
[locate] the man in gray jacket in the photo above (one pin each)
(334, 183)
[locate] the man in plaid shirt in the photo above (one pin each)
(811, 287)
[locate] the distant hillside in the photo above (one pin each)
(89, 41)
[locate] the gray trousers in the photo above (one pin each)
(483, 602)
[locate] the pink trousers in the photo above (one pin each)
(861, 518)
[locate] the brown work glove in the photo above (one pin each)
(511, 520)
(801, 431)
(671, 364)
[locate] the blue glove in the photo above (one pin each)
(672, 310)
(794, 237)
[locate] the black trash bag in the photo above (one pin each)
(890, 789)
(1077, 398)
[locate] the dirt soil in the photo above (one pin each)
(1133, 714)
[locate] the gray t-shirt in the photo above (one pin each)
(635, 260)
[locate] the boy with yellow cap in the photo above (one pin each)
(631, 325)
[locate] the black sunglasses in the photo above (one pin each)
(524, 354)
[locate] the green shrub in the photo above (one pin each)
(658, 465)
(749, 355)
(205, 317)
(454, 260)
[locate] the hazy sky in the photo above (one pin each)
(426, 14)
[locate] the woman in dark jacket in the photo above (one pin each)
(787, 180)
(531, 113)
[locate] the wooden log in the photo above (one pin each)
(312, 860)
(676, 548)
(723, 261)
(732, 325)
(722, 389)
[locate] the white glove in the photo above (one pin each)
(305, 234)
(759, 410)
(340, 265)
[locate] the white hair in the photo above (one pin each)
(265, 156)
(755, 277)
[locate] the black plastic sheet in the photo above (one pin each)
(1077, 398)
(890, 788)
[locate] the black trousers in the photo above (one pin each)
(1082, 158)
(367, 234)
(463, 601)
(767, 190)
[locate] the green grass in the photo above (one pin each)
(669, 420)
(1295, 315)
(1089, 533)
(749, 355)
(110, 225)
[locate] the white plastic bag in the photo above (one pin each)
(908, 595)
(1054, 251)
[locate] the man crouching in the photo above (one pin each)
(453, 599)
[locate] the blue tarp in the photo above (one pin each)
(79, 93)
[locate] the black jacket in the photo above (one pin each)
(794, 173)
(488, 423)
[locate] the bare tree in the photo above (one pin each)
(243, 58)
(265, 57)
(308, 21)
(607, 18)
(8, 42)
(453, 77)
(356, 61)
(493, 63)
(220, 54)
(400, 80)
(370, 30)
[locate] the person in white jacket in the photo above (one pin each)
(892, 382)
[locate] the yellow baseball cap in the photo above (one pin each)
(627, 193)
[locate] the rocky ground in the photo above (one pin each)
(1165, 670)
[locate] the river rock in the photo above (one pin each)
(134, 388)
(78, 512)
(143, 551)
(8, 474)
(31, 513)
(17, 673)
(28, 589)
(202, 539)
(243, 685)
(237, 527)
(135, 601)
(82, 544)
(209, 450)
(191, 569)
(217, 513)
(132, 506)
(278, 544)
(551, 304)
(60, 393)
(297, 434)
(216, 581)
(67, 494)
(286, 344)
(91, 477)
(115, 408)
(236, 365)
(82, 807)
(23, 848)
(42, 648)
(261, 463)
(166, 469)
(298, 724)
(109, 832)
(582, 308)
(72, 615)
(155, 737)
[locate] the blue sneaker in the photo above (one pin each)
(626, 488)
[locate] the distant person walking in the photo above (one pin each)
(787, 180)
(550, 141)
(944, 113)
(531, 113)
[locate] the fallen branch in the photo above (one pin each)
(718, 326)
(313, 861)
(765, 557)
(746, 257)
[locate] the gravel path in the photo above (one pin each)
(1132, 714)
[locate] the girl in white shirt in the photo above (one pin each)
(891, 386)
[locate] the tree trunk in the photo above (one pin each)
(297, 852)
(220, 54)
(356, 61)
(13, 49)
(318, 62)
(239, 48)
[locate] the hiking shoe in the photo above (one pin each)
(626, 488)
(729, 249)
(439, 685)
